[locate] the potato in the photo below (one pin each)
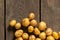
(49, 31)
(20, 38)
(31, 15)
(38, 39)
(32, 37)
(33, 22)
(55, 35)
(42, 35)
(30, 29)
(25, 36)
(50, 38)
(18, 33)
(59, 34)
(12, 23)
(18, 26)
(25, 22)
(36, 31)
(42, 25)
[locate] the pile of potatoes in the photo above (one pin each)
(35, 31)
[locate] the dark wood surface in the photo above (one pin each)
(1, 20)
(50, 13)
(19, 9)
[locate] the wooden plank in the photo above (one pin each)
(50, 13)
(1, 19)
(19, 9)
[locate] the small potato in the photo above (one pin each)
(32, 37)
(38, 39)
(25, 22)
(42, 25)
(36, 31)
(55, 35)
(42, 35)
(25, 36)
(33, 22)
(49, 31)
(18, 33)
(30, 29)
(18, 25)
(50, 38)
(59, 34)
(20, 38)
(12, 23)
(31, 15)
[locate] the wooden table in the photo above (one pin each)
(19, 9)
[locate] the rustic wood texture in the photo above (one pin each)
(50, 13)
(19, 9)
(1, 20)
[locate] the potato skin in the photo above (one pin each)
(31, 16)
(32, 37)
(38, 39)
(20, 38)
(30, 29)
(36, 31)
(49, 31)
(18, 33)
(33, 22)
(42, 35)
(25, 22)
(42, 25)
(25, 36)
(12, 23)
(55, 35)
(50, 38)
(18, 25)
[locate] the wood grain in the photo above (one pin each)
(1, 19)
(50, 13)
(19, 9)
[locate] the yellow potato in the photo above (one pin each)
(50, 38)
(38, 39)
(42, 35)
(30, 29)
(31, 15)
(18, 25)
(25, 22)
(55, 35)
(18, 33)
(42, 25)
(33, 22)
(20, 38)
(12, 23)
(25, 36)
(49, 31)
(32, 37)
(59, 34)
(36, 31)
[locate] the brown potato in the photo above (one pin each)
(32, 37)
(49, 31)
(33, 22)
(12, 23)
(18, 33)
(30, 29)
(55, 35)
(42, 35)
(25, 36)
(50, 38)
(25, 22)
(31, 15)
(42, 25)
(18, 26)
(36, 31)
